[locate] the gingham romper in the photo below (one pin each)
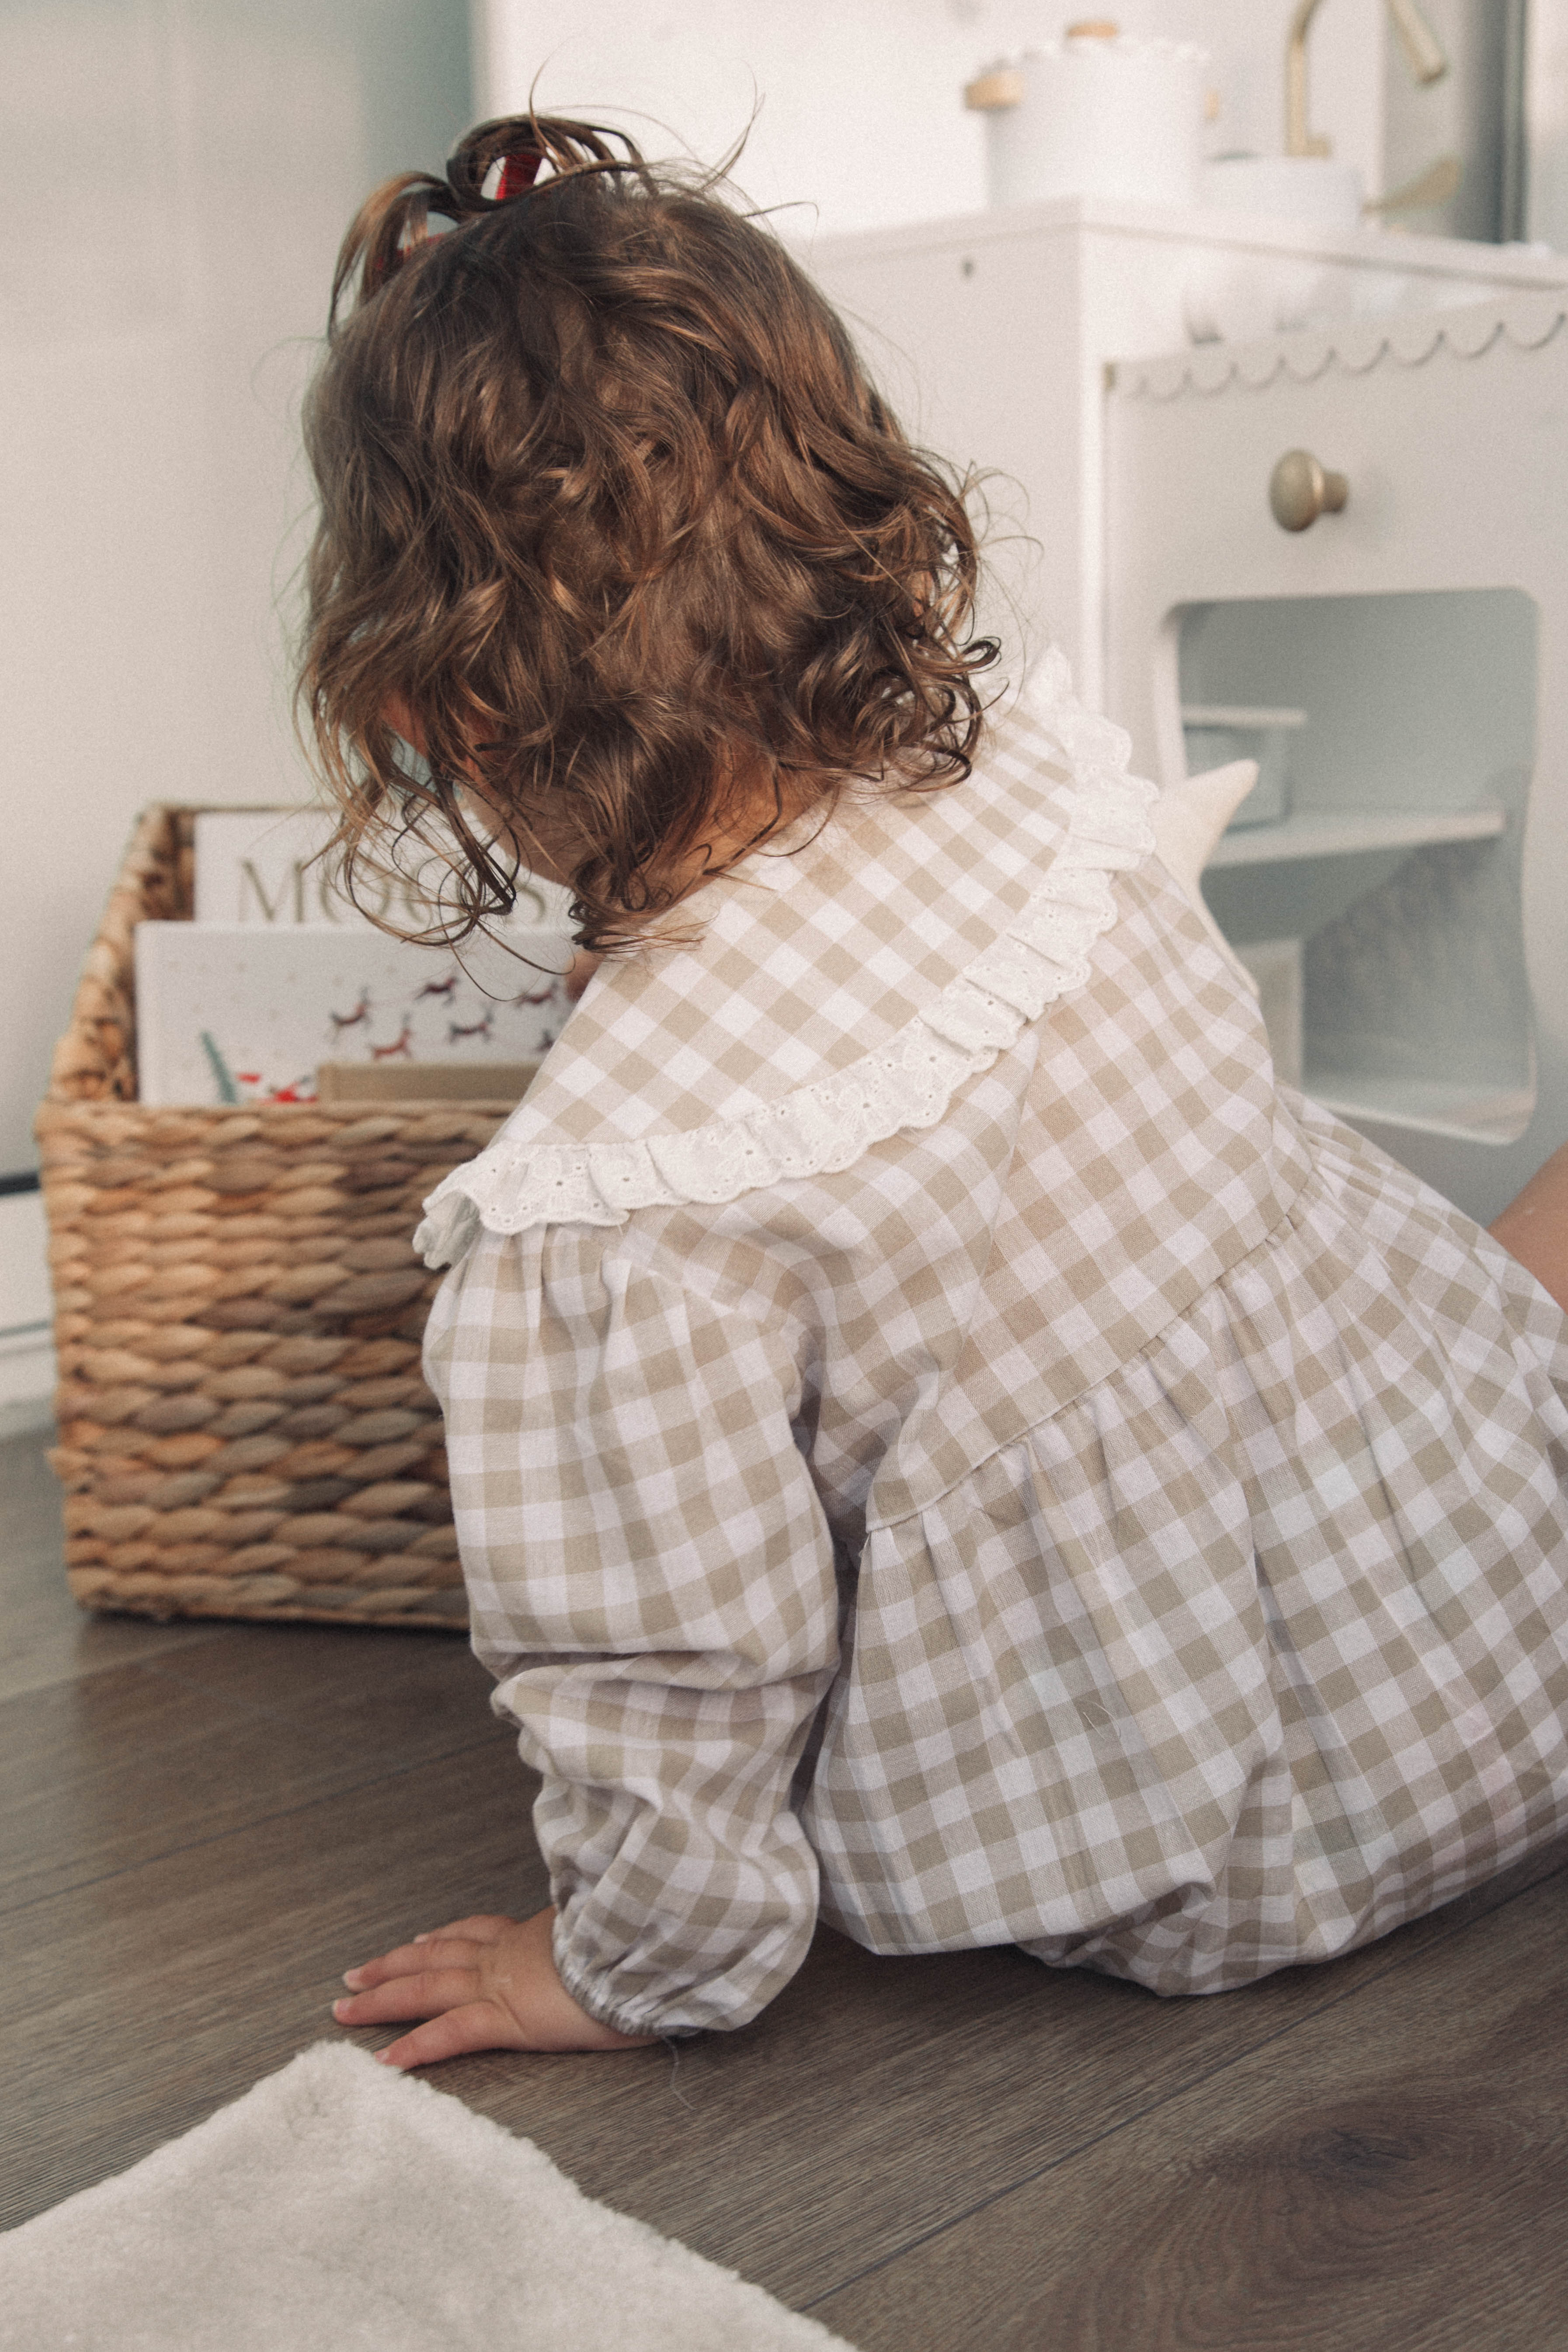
(939, 1441)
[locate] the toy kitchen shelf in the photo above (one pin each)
(1398, 1058)
(1351, 832)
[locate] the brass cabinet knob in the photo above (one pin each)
(1300, 490)
(993, 92)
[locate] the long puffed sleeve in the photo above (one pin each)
(652, 1581)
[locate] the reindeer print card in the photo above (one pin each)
(241, 1013)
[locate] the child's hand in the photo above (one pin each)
(485, 1983)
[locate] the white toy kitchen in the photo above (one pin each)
(1295, 491)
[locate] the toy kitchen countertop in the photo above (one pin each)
(992, 334)
(1286, 273)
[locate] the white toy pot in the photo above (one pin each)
(1094, 114)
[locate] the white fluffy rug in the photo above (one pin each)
(341, 2206)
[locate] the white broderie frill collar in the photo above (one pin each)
(531, 1175)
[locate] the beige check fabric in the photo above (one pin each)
(810, 958)
(1128, 1517)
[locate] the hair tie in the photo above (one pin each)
(394, 224)
(519, 168)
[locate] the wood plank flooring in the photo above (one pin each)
(202, 1825)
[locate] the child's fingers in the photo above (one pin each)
(477, 2025)
(424, 1995)
(439, 1950)
(483, 1927)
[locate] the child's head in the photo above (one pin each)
(613, 525)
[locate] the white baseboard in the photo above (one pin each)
(24, 1262)
(27, 1380)
(26, 1351)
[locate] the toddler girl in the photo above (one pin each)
(939, 1441)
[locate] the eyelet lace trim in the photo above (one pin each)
(820, 1128)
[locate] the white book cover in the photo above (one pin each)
(265, 866)
(245, 1013)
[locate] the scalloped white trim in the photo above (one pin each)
(1041, 957)
(1354, 345)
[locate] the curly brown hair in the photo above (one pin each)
(616, 531)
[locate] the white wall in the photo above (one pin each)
(1546, 203)
(860, 122)
(178, 175)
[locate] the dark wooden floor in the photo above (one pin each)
(202, 1825)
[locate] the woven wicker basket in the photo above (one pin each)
(243, 1427)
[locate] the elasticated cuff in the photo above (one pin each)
(591, 1994)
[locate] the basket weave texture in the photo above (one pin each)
(244, 1431)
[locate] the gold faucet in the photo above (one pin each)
(1424, 54)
